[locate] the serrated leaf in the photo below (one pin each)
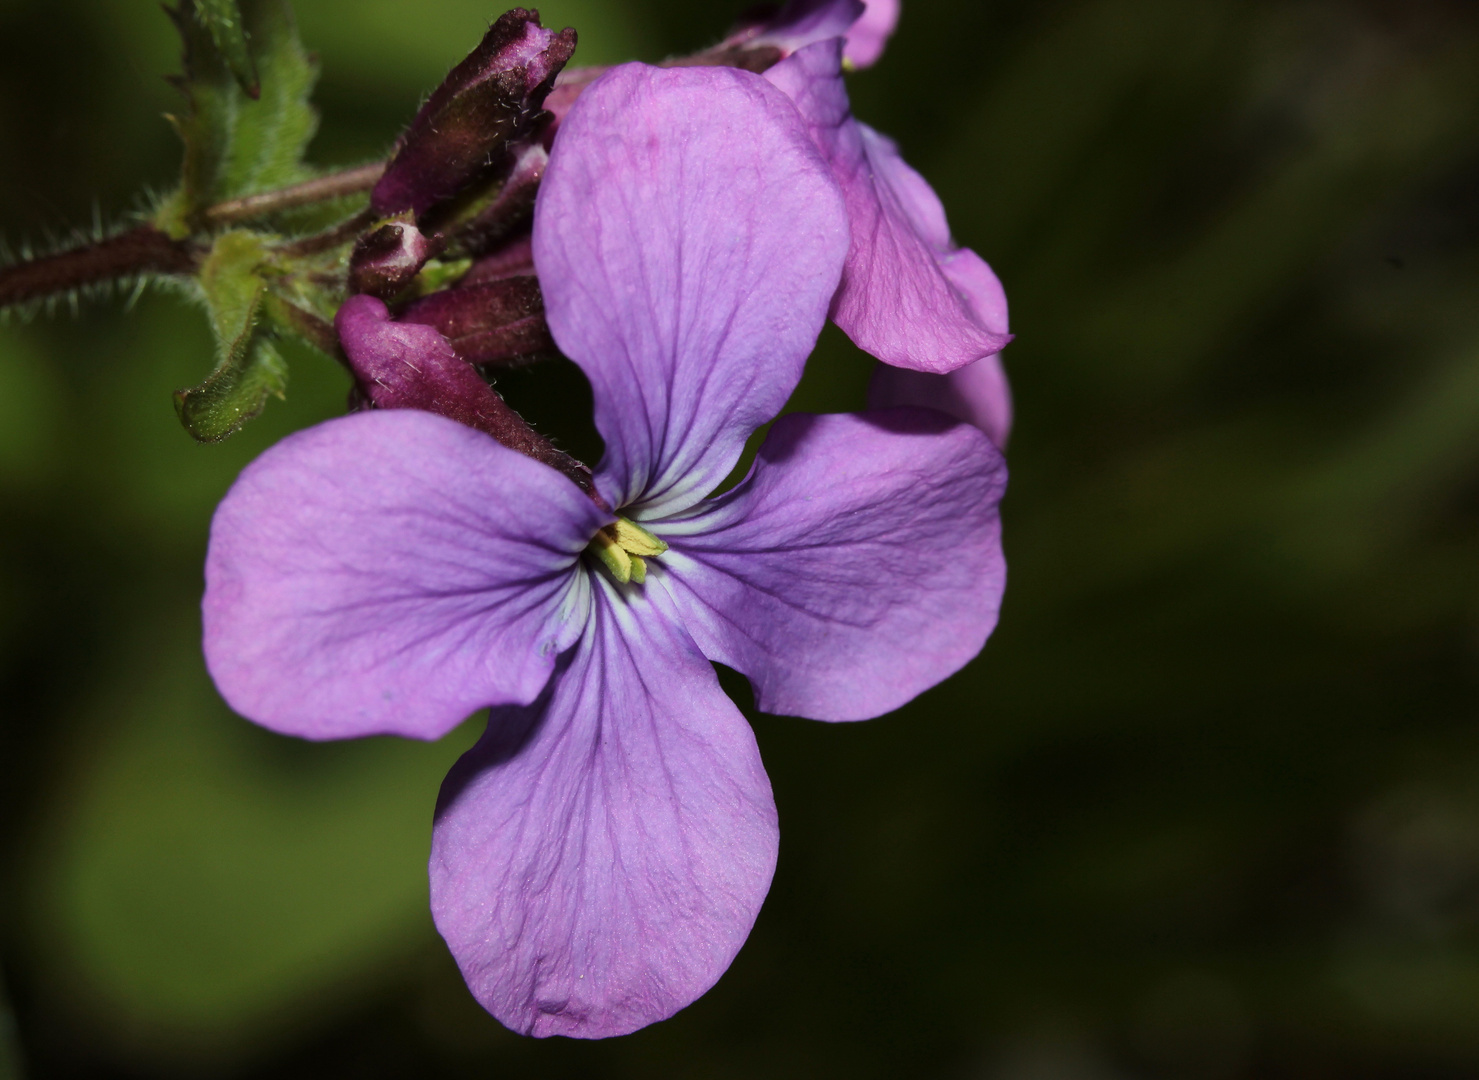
(248, 368)
(205, 126)
(273, 132)
(223, 19)
(234, 145)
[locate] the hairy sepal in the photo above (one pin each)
(248, 368)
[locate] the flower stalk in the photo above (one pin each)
(138, 251)
(147, 250)
(320, 189)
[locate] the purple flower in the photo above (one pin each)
(977, 393)
(908, 295)
(600, 855)
(867, 37)
(934, 313)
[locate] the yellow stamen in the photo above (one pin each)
(624, 548)
(605, 548)
(635, 539)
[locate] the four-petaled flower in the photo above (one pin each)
(601, 854)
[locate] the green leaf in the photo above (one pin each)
(235, 145)
(205, 127)
(272, 133)
(248, 367)
(223, 19)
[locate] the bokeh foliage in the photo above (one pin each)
(1208, 805)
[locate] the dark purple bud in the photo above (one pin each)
(490, 98)
(386, 260)
(401, 365)
(496, 322)
(514, 258)
(512, 209)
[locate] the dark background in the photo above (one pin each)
(1208, 804)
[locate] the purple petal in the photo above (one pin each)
(977, 393)
(868, 36)
(859, 564)
(802, 22)
(391, 572)
(688, 238)
(600, 856)
(908, 295)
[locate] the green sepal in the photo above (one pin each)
(248, 368)
(234, 145)
(223, 19)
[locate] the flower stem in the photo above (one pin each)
(319, 189)
(142, 250)
(147, 250)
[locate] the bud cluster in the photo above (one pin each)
(449, 244)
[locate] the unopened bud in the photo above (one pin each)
(513, 259)
(498, 322)
(490, 98)
(400, 365)
(512, 209)
(387, 259)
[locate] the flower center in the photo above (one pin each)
(624, 548)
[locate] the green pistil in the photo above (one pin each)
(624, 548)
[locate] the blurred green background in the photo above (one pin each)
(1208, 804)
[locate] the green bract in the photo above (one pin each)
(248, 368)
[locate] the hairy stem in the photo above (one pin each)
(147, 250)
(319, 189)
(340, 234)
(142, 250)
(318, 332)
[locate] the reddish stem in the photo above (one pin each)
(142, 250)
